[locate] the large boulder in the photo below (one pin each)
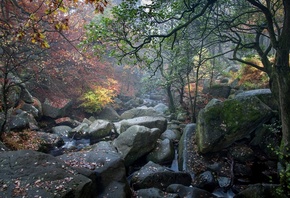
(265, 95)
(154, 192)
(188, 192)
(219, 91)
(185, 147)
(261, 190)
(147, 121)
(163, 153)
(61, 130)
(94, 131)
(135, 142)
(153, 175)
(56, 107)
(108, 113)
(28, 173)
(161, 108)
(139, 112)
(221, 124)
(107, 164)
(22, 120)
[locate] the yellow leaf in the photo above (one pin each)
(63, 9)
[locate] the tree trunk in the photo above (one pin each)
(191, 110)
(283, 81)
(171, 100)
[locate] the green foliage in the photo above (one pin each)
(96, 99)
(284, 188)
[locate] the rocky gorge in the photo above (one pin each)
(229, 152)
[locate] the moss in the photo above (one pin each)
(221, 124)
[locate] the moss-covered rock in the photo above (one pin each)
(221, 124)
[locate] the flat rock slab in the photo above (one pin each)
(28, 173)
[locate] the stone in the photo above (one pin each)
(3, 147)
(61, 130)
(29, 108)
(139, 112)
(265, 95)
(261, 190)
(161, 108)
(153, 175)
(136, 142)
(242, 153)
(56, 107)
(109, 173)
(188, 192)
(220, 125)
(108, 113)
(99, 129)
(172, 135)
(220, 91)
(49, 141)
(206, 181)
(147, 121)
(163, 153)
(27, 173)
(185, 147)
(154, 192)
(19, 121)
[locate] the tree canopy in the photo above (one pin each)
(245, 28)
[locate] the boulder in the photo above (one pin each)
(99, 129)
(61, 130)
(220, 125)
(163, 153)
(153, 175)
(13, 96)
(3, 147)
(185, 147)
(48, 141)
(267, 140)
(94, 131)
(188, 192)
(108, 113)
(206, 181)
(261, 190)
(219, 91)
(265, 95)
(161, 108)
(154, 192)
(56, 107)
(134, 102)
(170, 134)
(139, 112)
(27, 173)
(29, 108)
(107, 164)
(242, 153)
(22, 120)
(147, 121)
(66, 121)
(26, 95)
(135, 142)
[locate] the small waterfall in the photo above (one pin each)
(174, 164)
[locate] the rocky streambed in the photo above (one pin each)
(226, 154)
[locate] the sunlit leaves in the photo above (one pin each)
(97, 98)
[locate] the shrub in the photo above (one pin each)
(252, 78)
(96, 99)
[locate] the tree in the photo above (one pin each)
(26, 29)
(134, 27)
